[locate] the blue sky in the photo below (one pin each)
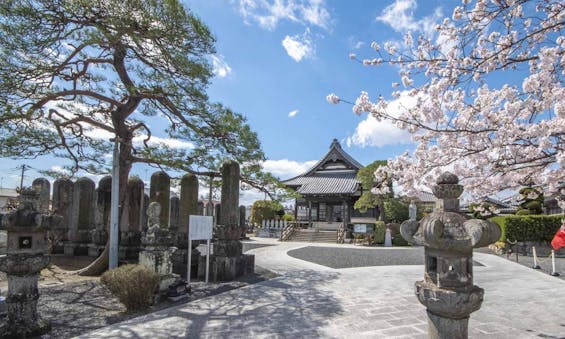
(278, 60)
(267, 81)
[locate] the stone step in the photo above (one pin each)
(310, 235)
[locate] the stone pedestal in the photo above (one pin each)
(158, 259)
(227, 268)
(21, 302)
(438, 326)
(228, 262)
(157, 250)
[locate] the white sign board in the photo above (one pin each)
(359, 228)
(200, 227)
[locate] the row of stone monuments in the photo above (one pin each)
(28, 224)
(85, 211)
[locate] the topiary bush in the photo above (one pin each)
(531, 201)
(537, 228)
(398, 240)
(379, 232)
(134, 285)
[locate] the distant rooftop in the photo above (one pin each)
(8, 192)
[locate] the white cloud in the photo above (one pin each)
(371, 132)
(355, 43)
(155, 141)
(220, 66)
(286, 169)
(298, 47)
(400, 16)
(268, 13)
(292, 114)
(248, 197)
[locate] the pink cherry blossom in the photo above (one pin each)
(492, 135)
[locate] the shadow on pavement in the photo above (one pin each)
(293, 305)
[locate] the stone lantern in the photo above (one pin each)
(449, 237)
(24, 260)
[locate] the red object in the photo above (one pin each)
(559, 238)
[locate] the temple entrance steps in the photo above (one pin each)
(326, 226)
(313, 235)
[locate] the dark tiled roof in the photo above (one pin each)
(423, 196)
(343, 182)
(503, 207)
(335, 152)
(322, 179)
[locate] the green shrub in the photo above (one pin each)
(398, 240)
(288, 217)
(265, 210)
(501, 221)
(396, 210)
(134, 285)
(379, 232)
(536, 228)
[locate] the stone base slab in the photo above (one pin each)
(72, 249)
(95, 250)
(227, 268)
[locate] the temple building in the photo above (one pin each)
(328, 191)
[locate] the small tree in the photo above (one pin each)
(396, 210)
(265, 210)
(366, 176)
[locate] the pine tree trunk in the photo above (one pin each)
(100, 264)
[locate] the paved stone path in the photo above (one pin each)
(310, 300)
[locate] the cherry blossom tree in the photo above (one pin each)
(490, 99)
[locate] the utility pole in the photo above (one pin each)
(114, 209)
(24, 168)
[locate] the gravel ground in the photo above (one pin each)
(352, 257)
(80, 307)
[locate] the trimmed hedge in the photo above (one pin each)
(540, 228)
(379, 232)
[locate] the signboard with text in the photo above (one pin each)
(363, 228)
(200, 227)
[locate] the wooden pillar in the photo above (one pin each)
(344, 214)
(309, 213)
(296, 210)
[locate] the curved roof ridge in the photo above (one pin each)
(335, 147)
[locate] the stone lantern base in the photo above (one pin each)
(437, 325)
(448, 311)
